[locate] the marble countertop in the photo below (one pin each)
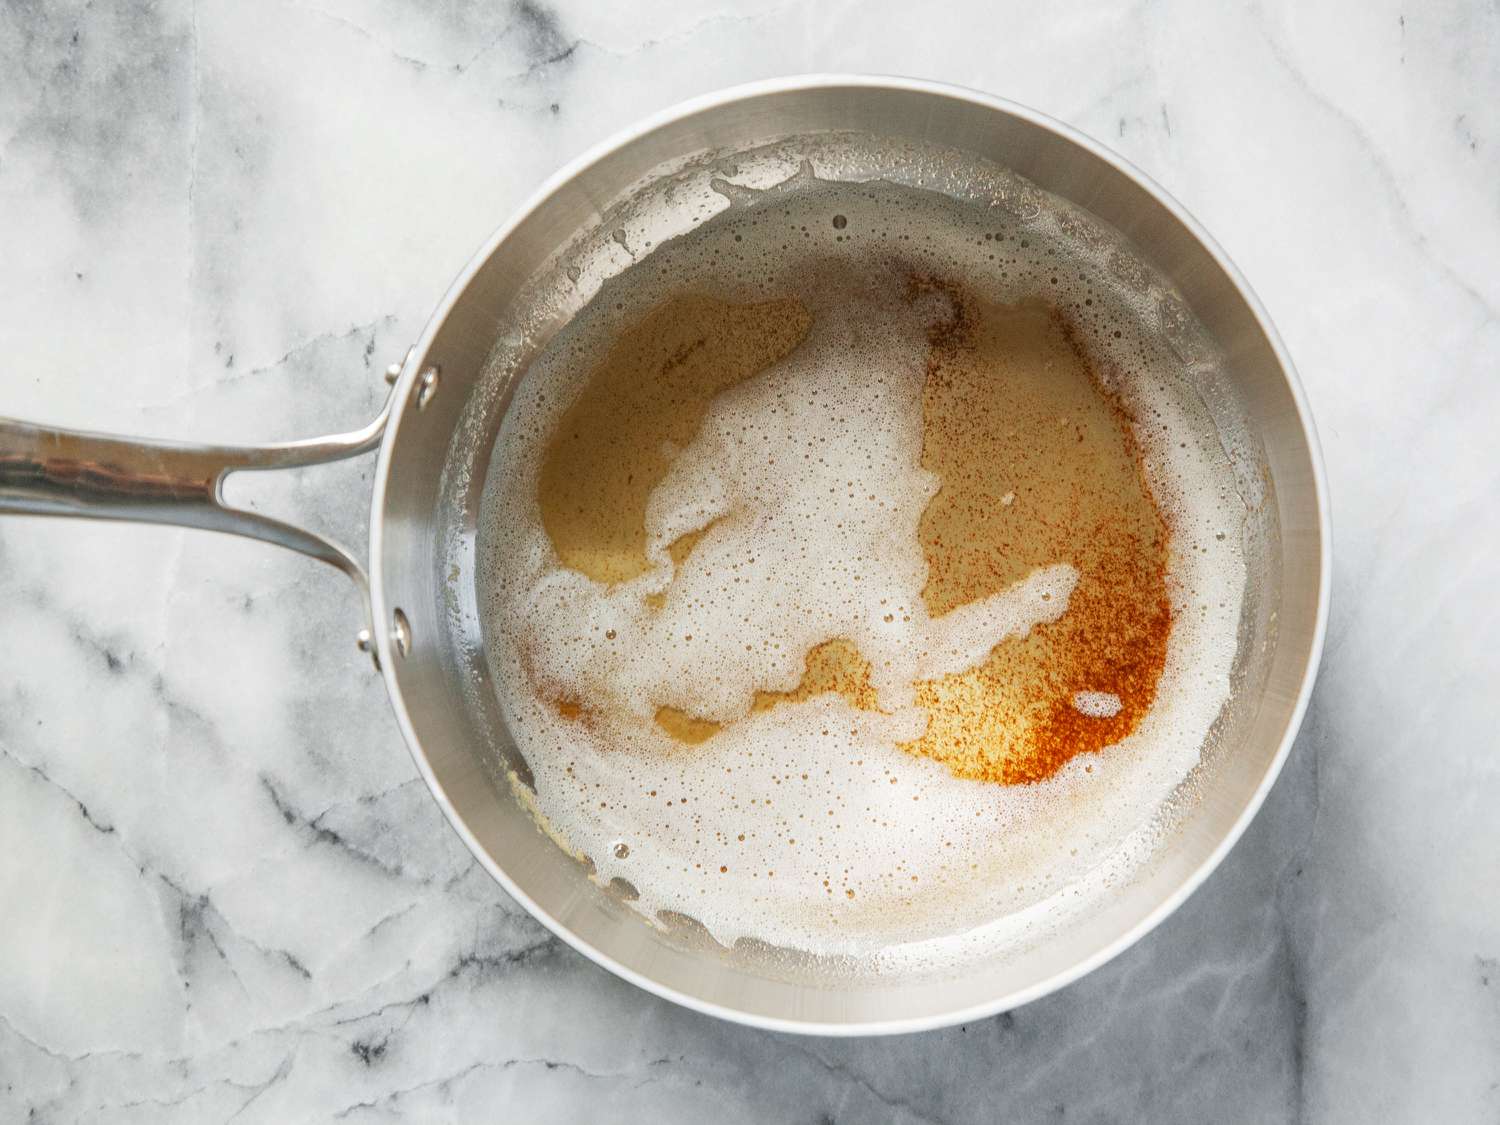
(226, 895)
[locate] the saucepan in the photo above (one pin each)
(434, 438)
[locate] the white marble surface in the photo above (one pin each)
(225, 894)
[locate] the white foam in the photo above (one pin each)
(805, 825)
(1097, 704)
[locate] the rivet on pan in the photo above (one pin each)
(365, 642)
(393, 372)
(427, 385)
(401, 632)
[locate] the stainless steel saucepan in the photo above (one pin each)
(434, 438)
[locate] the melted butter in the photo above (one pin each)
(645, 400)
(1037, 464)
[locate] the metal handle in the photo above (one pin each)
(53, 472)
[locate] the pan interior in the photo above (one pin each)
(670, 203)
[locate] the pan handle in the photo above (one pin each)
(46, 471)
